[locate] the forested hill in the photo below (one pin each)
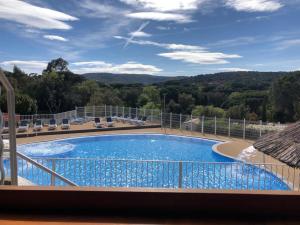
(110, 78)
(235, 81)
(251, 95)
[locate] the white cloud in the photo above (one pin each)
(162, 10)
(165, 5)
(200, 57)
(234, 69)
(163, 28)
(288, 44)
(55, 38)
(255, 5)
(187, 53)
(100, 10)
(34, 16)
(234, 42)
(27, 66)
(140, 34)
(160, 16)
(103, 67)
(171, 46)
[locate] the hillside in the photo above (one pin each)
(109, 78)
(237, 81)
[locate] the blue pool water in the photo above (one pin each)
(148, 160)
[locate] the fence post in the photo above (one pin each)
(229, 128)
(104, 110)
(123, 112)
(129, 113)
(111, 109)
(180, 121)
(117, 111)
(191, 122)
(180, 175)
(151, 117)
(244, 129)
(94, 111)
(84, 112)
(170, 120)
(215, 125)
(260, 128)
(76, 112)
(202, 125)
(161, 119)
(52, 176)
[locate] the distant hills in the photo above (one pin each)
(257, 80)
(110, 78)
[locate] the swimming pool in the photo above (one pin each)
(146, 160)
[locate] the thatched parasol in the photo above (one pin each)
(284, 145)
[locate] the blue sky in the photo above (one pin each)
(159, 37)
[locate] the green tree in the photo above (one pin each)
(186, 102)
(57, 65)
(150, 95)
(105, 96)
(209, 111)
(285, 97)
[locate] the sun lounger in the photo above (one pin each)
(24, 126)
(109, 122)
(52, 124)
(97, 122)
(65, 124)
(38, 125)
(5, 128)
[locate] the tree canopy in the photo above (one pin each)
(250, 95)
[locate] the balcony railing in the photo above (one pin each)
(164, 174)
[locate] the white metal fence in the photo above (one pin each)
(165, 174)
(206, 125)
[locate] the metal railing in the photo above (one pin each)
(218, 126)
(35, 173)
(205, 125)
(172, 174)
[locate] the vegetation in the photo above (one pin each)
(250, 95)
(144, 79)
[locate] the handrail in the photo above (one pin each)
(12, 125)
(44, 168)
(161, 161)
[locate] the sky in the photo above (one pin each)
(158, 37)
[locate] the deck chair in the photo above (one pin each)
(97, 122)
(65, 124)
(5, 128)
(109, 122)
(24, 126)
(38, 125)
(52, 124)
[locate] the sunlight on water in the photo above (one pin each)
(46, 149)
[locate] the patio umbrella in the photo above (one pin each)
(284, 145)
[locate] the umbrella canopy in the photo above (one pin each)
(284, 145)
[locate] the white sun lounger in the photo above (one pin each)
(38, 125)
(65, 124)
(24, 126)
(97, 122)
(109, 122)
(52, 124)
